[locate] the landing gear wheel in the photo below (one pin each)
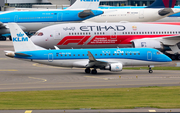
(178, 57)
(2, 38)
(87, 70)
(173, 57)
(150, 71)
(94, 71)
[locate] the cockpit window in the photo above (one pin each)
(40, 34)
(158, 53)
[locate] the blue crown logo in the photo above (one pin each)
(20, 35)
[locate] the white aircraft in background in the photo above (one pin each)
(104, 59)
(34, 20)
(162, 36)
(158, 10)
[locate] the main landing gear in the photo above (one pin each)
(150, 69)
(88, 70)
(2, 38)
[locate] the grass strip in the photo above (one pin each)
(154, 68)
(115, 98)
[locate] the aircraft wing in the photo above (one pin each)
(95, 63)
(2, 26)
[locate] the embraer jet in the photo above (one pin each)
(105, 59)
(158, 10)
(162, 36)
(35, 20)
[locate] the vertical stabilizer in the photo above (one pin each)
(20, 40)
(85, 4)
(163, 4)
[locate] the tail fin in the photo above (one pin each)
(163, 4)
(85, 4)
(20, 40)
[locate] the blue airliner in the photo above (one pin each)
(105, 59)
(35, 20)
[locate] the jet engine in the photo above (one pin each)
(147, 43)
(115, 67)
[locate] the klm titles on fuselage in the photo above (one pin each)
(102, 28)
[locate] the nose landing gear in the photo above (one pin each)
(150, 69)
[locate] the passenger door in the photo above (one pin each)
(50, 57)
(59, 16)
(16, 18)
(141, 14)
(149, 55)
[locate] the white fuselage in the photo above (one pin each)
(130, 15)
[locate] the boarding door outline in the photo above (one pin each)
(59, 16)
(16, 18)
(113, 34)
(141, 14)
(50, 57)
(149, 55)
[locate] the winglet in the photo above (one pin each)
(20, 40)
(163, 4)
(91, 57)
(85, 4)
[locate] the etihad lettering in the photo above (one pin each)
(102, 28)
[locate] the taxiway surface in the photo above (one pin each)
(17, 75)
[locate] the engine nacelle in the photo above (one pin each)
(115, 67)
(147, 43)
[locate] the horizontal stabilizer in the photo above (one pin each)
(22, 54)
(165, 11)
(85, 13)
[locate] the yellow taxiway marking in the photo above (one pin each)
(152, 110)
(96, 77)
(3, 58)
(8, 70)
(43, 80)
(28, 111)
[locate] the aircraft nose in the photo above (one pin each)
(38, 40)
(167, 59)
